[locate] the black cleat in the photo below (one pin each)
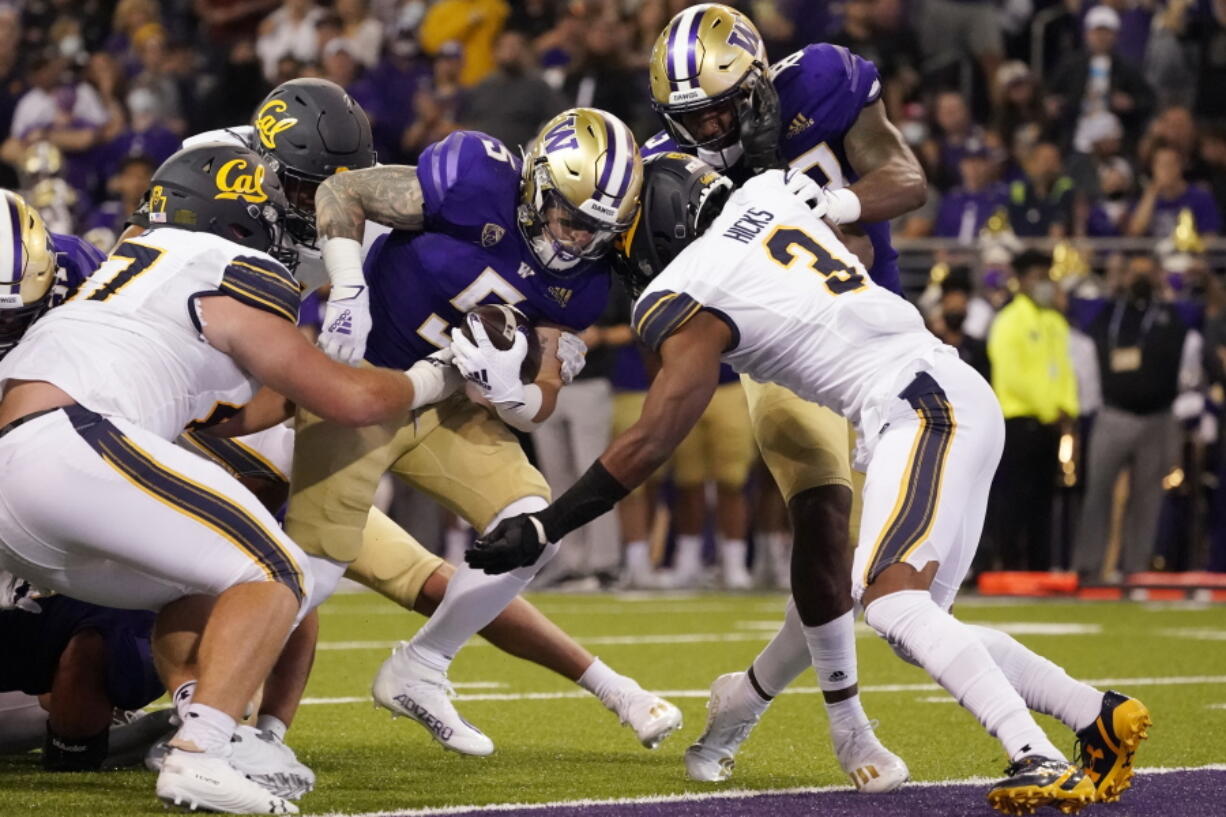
(1106, 746)
(1036, 781)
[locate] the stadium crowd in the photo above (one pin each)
(1038, 122)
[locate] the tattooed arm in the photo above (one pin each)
(388, 194)
(891, 180)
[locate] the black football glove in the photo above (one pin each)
(760, 129)
(516, 542)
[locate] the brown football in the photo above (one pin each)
(501, 323)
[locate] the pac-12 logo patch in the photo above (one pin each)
(246, 186)
(491, 234)
(267, 125)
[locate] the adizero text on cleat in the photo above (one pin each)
(410, 688)
(1106, 746)
(1036, 781)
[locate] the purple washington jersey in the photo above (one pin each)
(470, 253)
(822, 89)
(77, 259)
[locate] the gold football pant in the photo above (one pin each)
(720, 448)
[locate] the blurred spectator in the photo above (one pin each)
(514, 101)
(1032, 374)
(288, 32)
(1211, 29)
(1213, 154)
(1145, 350)
(1041, 203)
(435, 109)
(953, 130)
(959, 29)
(475, 24)
(129, 17)
(966, 208)
(876, 31)
(1101, 140)
(154, 76)
(361, 29)
(1109, 213)
(1096, 79)
(124, 192)
(226, 23)
(238, 87)
(600, 78)
(1174, 127)
(342, 66)
(12, 75)
(950, 318)
(1020, 121)
(533, 18)
(396, 80)
(1170, 62)
(1166, 194)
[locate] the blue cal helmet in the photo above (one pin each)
(580, 189)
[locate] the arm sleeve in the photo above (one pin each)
(263, 283)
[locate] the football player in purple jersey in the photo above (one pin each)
(819, 111)
(473, 224)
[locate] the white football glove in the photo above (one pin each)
(494, 372)
(347, 322)
(805, 187)
(18, 594)
(262, 756)
(572, 353)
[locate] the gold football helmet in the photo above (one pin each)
(704, 68)
(27, 269)
(580, 190)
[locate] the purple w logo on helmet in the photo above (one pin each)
(561, 136)
(743, 35)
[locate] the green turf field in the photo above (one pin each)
(570, 747)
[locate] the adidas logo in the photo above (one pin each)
(561, 295)
(800, 124)
(480, 377)
(837, 675)
(420, 714)
(343, 323)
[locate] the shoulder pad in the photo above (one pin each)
(261, 282)
(466, 174)
(660, 313)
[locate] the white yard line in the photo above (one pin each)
(729, 794)
(1177, 680)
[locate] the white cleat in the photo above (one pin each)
(195, 781)
(651, 717)
(712, 757)
(410, 688)
(873, 768)
(264, 758)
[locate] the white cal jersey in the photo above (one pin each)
(311, 271)
(128, 344)
(803, 311)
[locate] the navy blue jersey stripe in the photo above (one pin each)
(263, 284)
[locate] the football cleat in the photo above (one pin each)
(195, 781)
(264, 758)
(873, 768)
(410, 688)
(651, 717)
(712, 757)
(1036, 781)
(1106, 746)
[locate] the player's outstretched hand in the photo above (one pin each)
(760, 129)
(347, 322)
(516, 542)
(572, 353)
(496, 372)
(804, 187)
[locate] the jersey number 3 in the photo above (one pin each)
(787, 245)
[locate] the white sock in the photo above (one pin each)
(1043, 685)
(957, 660)
(271, 723)
(732, 557)
(782, 660)
(638, 557)
(688, 560)
(204, 729)
(750, 697)
(456, 540)
(602, 681)
(832, 648)
(778, 547)
(182, 699)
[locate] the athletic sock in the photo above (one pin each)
(604, 682)
(204, 729)
(832, 648)
(777, 546)
(956, 659)
(783, 659)
(273, 724)
(182, 699)
(687, 563)
(638, 558)
(1043, 685)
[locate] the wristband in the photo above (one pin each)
(432, 381)
(343, 261)
(521, 417)
(842, 206)
(594, 494)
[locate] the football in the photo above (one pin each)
(501, 323)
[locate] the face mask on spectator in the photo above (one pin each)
(954, 321)
(1141, 288)
(1043, 293)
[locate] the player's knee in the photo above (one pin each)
(83, 659)
(821, 517)
(916, 629)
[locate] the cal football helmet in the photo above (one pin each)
(27, 269)
(580, 189)
(307, 129)
(705, 69)
(224, 189)
(681, 196)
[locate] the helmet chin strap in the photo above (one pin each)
(549, 256)
(723, 158)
